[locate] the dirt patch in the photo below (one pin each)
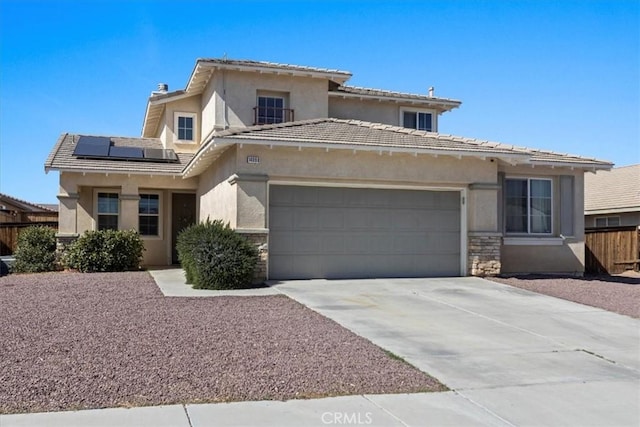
(620, 294)
(79, 341)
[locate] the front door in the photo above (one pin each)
(183, 215)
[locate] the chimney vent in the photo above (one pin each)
(163, 87)
(431, 89)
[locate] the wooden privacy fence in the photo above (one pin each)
(608, 249)
(9, 234)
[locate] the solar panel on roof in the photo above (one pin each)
(92, 146)
(128, 153)
(160, 155)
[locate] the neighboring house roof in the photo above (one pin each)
(441, 104)
(23, 205)
(62, 158)
(361, 135)
(617, 190)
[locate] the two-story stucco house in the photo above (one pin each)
(330, 180)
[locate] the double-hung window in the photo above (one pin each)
(528, 206)
(185, 127)
(270, 110)
(149, 215)
(417, 120)
(108, 211)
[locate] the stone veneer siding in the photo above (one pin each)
(484, 254)
(259, 239)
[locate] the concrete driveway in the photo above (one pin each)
(522, 358)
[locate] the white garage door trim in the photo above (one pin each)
(461, 190)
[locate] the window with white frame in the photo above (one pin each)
(108, 209)
(528, 204)
(185, 127)
(419, 120)
(149, 215)
(608, 221)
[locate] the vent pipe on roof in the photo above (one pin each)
(163, 87)
(431, 89)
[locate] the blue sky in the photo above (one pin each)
(558, 75)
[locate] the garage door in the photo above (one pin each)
(327, 232)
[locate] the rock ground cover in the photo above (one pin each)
(78, 341)
(620, 294)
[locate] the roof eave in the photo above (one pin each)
(223, 143)
(112, 171)
(612, 210)
(587, 165)
(443, 104)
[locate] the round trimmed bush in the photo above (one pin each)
(214, 256)
(105, 250)
(36, 251)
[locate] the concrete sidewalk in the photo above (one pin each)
(172, 283)
(437, 409)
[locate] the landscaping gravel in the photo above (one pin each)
(620, 294)
(78, 341)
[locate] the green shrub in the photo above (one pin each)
(216, 257)
(105, 250)
(189, 238)
(36, 251)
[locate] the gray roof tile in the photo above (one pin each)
(274, 65)
(363, 91)
(618, 188)
(357, 132)
(61, 158)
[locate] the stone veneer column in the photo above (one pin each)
(260, 238)
(483, 251)
(483, 237)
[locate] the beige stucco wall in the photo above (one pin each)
(217, 197)
(170, 134)
(343, 167)
(568, 257)
(80, 217)
(373, 111)
(307, 96)
(281, 163)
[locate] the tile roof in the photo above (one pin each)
(327, 132)
(61, 158)
(379, 93)
(273, 65)
(361, 133)
(617, 189)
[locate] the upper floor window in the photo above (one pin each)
(418, 120)
(185, 126)
(107, 211)
(271, 109)
(528, 205)
(149, 214)
(608, 221)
